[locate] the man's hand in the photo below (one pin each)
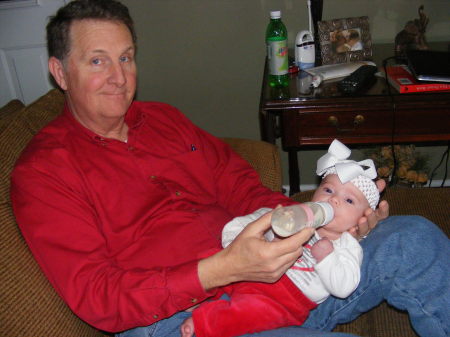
(251, 258)
(371, 217)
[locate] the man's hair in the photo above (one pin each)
(58, 28)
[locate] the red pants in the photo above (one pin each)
(252, 307)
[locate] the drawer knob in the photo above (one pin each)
(333, 120)
(359, 119)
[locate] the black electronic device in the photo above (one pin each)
(429, 65)
(357, 80)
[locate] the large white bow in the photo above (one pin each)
(345, 169)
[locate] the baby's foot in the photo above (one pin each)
(187, 328)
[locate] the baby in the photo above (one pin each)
(330, 263)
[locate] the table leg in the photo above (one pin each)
(267, 126)
(294, 172)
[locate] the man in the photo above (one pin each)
(122, 202)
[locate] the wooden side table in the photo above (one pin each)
(304, 117)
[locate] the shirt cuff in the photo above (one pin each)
(184, 285)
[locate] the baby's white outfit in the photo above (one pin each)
(337, 274)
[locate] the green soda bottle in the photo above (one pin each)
(277, 51)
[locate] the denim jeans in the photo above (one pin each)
(406, 263)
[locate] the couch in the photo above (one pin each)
(29, 305)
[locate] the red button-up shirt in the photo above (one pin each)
(118, 228)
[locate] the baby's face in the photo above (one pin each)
(347, 201)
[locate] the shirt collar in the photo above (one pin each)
(134, 118)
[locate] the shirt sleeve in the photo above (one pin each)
(62, 231)
(340, 271)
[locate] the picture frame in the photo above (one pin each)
(345, 40)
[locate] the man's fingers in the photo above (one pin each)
(381, 185)
(259, 226)
(367, 222)
(382, 210)
(354, 230)
(294, 242)
(291, 248)
(303, 236)
(371, 218)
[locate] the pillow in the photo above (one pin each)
(21, 126)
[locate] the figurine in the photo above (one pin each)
(412, 36)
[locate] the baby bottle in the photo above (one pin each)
(292, 219)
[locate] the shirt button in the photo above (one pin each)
(155, 316)
(194, 300)
(152, 177)
(130, 148)
(177, 193)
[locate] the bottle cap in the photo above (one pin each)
(327, 211)
(275, 14)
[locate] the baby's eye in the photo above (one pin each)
(350, 201)
(328, 190)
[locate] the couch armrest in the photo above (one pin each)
(11, 107)
(263, 157)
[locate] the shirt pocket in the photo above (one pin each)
(188, 176)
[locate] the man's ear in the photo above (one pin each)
(56, 68)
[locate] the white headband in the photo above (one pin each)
(359, 173)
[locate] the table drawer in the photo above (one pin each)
(303, 127)
(422, 122)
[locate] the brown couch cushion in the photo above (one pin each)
(263, 157)
(8, 112)
(10, 108)
(21, 127)
(29, 307)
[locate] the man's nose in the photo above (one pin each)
(117, 75)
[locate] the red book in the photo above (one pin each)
(401, 78)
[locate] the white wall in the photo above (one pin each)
(206, 56)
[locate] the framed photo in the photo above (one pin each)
(345, 40)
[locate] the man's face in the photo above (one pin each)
(99, 73)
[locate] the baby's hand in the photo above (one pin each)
(321, 249)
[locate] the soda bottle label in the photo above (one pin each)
(277, 54)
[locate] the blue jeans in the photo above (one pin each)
(406, 263)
